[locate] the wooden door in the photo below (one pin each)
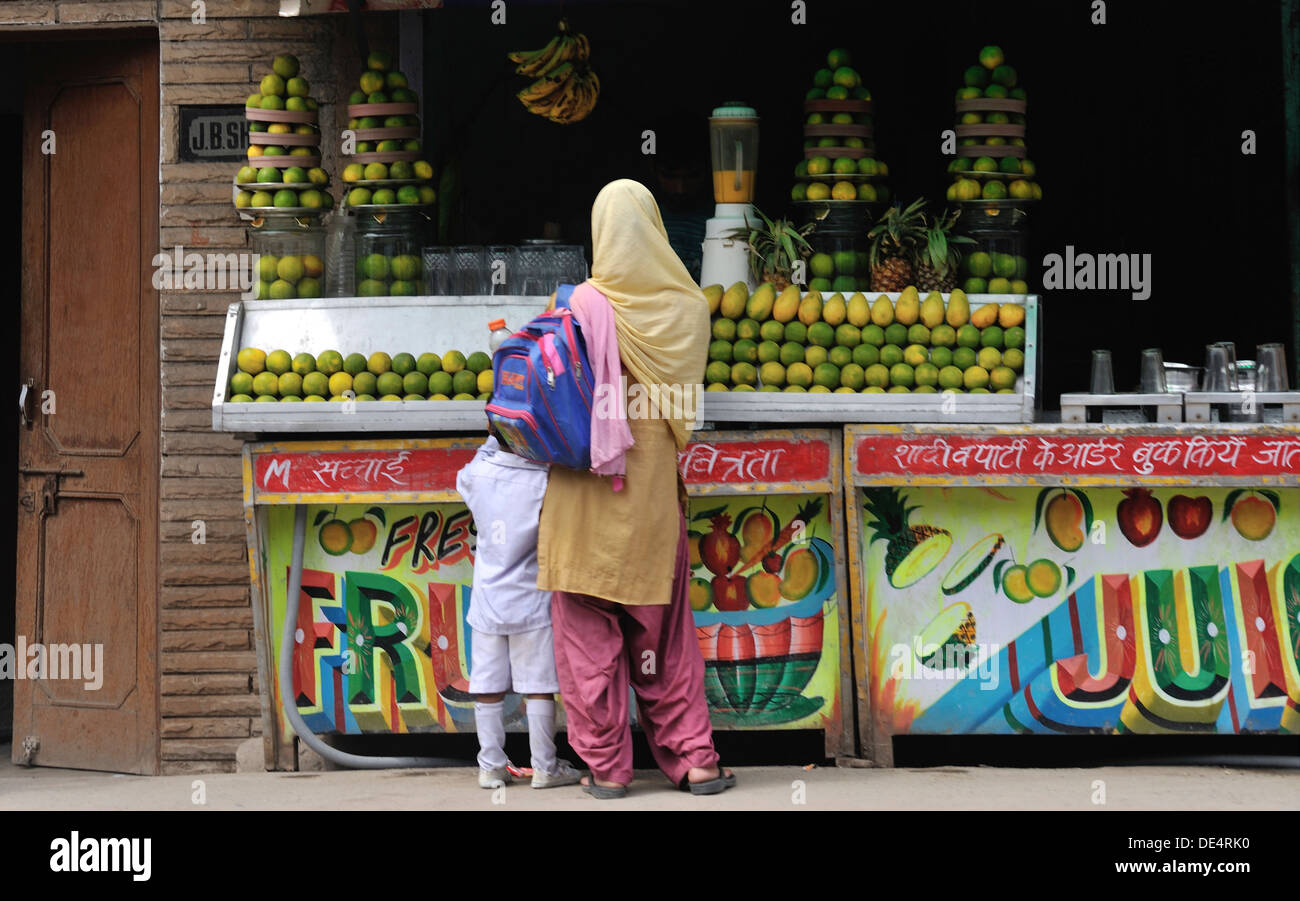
(88, 449)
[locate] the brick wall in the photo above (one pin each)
(209, 694)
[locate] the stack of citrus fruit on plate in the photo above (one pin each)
(992, 160)
(839, 153)
(283, 172)
(818, 344)
(281, 377)
(387, 170)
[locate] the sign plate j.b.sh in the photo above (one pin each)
(210, 134)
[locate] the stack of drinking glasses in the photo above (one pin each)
(530, 270)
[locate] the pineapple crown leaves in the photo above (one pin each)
(775, 245)
(890, 509)
(939, 250)
(897, 232)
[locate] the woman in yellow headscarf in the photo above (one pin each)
(617, 561)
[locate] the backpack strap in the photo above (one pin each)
(562, 295)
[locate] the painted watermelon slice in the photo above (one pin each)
(972, 564)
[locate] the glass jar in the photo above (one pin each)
(840, 260)
(290, 257)
(388, 254)
(997, 263)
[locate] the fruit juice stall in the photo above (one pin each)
(1052, 580)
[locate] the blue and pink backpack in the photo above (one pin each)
(543, 388)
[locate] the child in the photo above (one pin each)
(510, 617)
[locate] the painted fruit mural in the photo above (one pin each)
(766, 610)
(1056, 620)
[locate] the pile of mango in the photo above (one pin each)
(815, 343)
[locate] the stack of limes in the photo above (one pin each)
(281, 377)
(992, 161)
(283, 171)
(387, 168)
(839, 162)
(288, 276)
(389, 275)
(852, 344)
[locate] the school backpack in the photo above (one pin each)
(543, 388)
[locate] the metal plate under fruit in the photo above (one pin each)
(842, 176)
(387, 207)
(283, 210)
(279, 186)
(388, 182)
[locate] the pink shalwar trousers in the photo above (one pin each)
(601, 648)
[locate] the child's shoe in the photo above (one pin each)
(494, 778)
(564, 774)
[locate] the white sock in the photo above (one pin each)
(490, 722)
(541, 734)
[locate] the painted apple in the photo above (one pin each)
(1140, 516)
(729, 593)
(1189, 517)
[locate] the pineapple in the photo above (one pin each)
(893, 242)
(911, 552)
(936, 259)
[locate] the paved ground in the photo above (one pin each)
(759, 788)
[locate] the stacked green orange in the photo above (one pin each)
(283, 171)
(992, 159)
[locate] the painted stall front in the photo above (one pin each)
(383, 645)
(1086, 579)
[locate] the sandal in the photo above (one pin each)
(604, 792)
(721, 783)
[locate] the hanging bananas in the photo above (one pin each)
(565, 90)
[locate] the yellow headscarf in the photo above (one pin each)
(660, 314)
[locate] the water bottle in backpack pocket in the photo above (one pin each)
(543, 389)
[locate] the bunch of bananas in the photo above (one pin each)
(565, 90)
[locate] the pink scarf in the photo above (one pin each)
(610, 435)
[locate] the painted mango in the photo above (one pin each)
(1064, 518)
(763, 589)
(802, 572)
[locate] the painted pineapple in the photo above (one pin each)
(911, 552)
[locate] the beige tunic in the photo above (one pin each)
(620, 546)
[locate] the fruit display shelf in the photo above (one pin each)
(360, 325)
(792, 407)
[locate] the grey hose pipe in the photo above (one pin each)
(290, 704)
